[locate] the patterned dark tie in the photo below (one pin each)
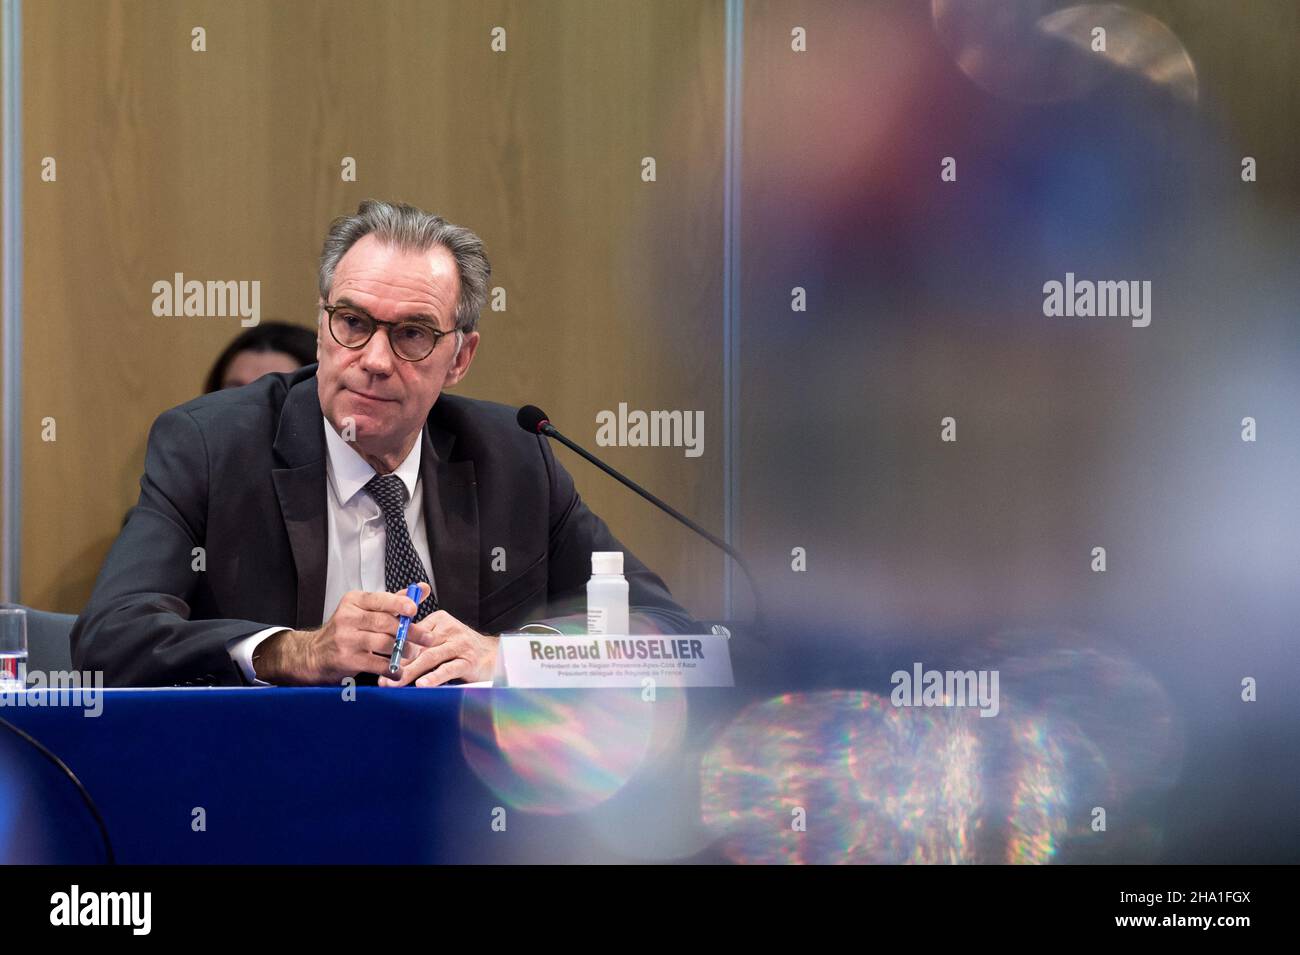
(402, 565)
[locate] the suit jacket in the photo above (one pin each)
(229, 535)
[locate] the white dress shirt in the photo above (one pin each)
(356, 536)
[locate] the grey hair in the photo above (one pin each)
(413, 230)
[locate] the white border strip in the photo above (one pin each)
(11, 73)
(735, 44)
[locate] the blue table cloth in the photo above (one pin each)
(381, 775)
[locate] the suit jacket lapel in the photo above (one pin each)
(451, 518)
(300, 486)
(449, 498)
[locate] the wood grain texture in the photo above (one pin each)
(226, 165)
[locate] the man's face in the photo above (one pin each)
(386, 397)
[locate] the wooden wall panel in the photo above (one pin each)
(225, 164)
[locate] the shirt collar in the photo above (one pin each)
(349, 472)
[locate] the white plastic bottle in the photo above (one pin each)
(607, 594)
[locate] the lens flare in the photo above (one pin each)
(567, 751)
(1048, 781)
(1135, 42)
(1121, 709)
(1025, 52)
(845, 776)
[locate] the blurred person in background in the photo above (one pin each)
(270, 346)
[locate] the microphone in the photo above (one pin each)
(534, 420)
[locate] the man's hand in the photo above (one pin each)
(448, 650)
(358, 638)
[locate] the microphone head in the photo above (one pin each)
(532, 418)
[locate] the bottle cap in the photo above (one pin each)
(607, 562)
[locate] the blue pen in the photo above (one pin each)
(403, 625)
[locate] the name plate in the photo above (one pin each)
(546, 660)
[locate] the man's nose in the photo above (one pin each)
(377, 356)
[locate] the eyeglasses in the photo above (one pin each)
(412, 341)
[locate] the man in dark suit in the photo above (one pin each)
(280, 523)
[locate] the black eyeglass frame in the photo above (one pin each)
(437, 333)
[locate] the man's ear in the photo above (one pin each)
(460, 366)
